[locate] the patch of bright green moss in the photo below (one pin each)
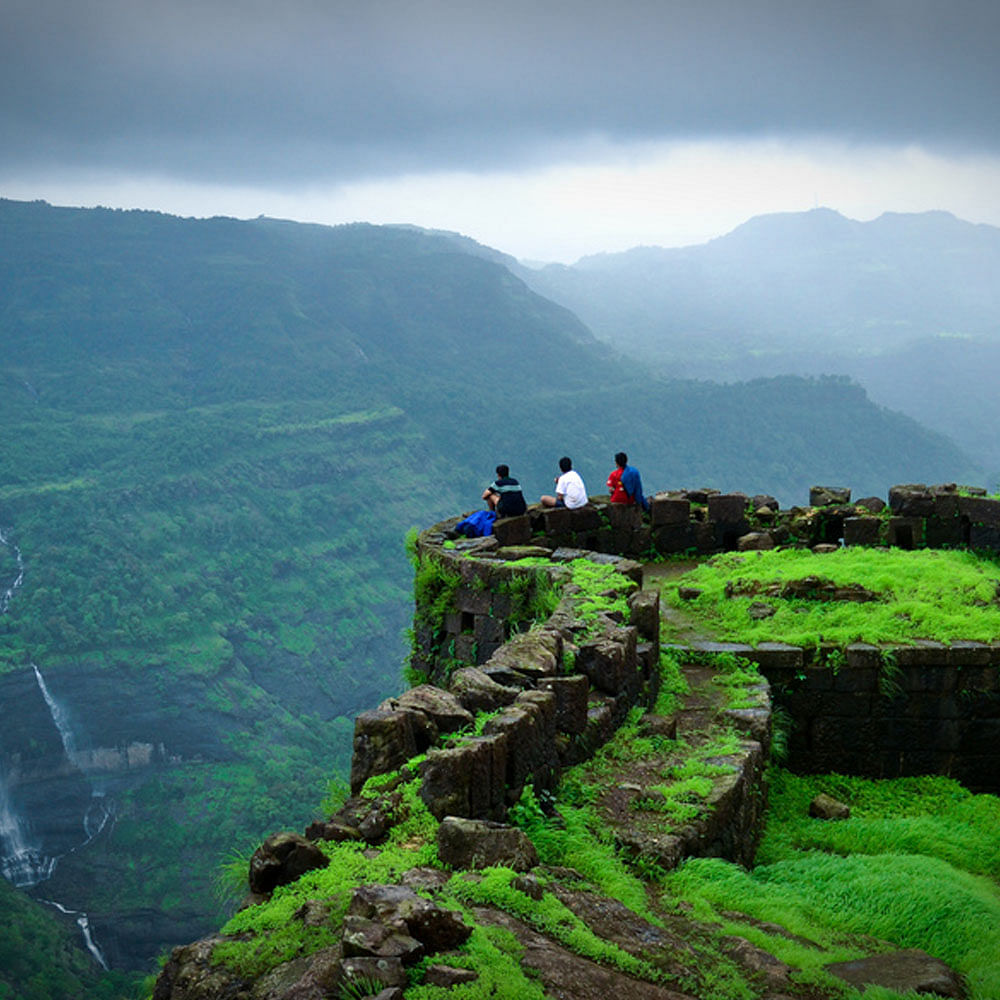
(929, 594)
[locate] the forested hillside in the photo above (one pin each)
(215, 436)
(909, 305)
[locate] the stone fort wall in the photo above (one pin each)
(873, 711)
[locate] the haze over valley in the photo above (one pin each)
(280, 283)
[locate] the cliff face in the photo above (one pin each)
(72, 758)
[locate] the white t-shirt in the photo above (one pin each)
(570, 487)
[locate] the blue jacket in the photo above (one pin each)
(632, 485)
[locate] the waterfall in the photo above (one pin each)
(83, 922)
(7, 593)
(22, 862)
(59, 717)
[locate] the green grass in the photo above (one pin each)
(939, 595)
(916, 866)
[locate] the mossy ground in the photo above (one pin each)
(929, 594)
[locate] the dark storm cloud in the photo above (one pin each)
(304, 88)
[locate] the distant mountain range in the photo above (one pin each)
(909, 305)
(215, 435)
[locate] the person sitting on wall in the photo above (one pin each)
(504, 494)
(570, 491)
(625, 483)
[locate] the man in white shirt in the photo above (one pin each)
(570, 491)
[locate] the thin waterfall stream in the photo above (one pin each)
(23, 860)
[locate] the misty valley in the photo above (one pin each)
(218, 433)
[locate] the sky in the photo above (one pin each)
(549, 130)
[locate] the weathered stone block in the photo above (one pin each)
(984, 536)
(904, 493)
(478, 692)
(923, 653)
(512, 530)
(727, 508)
(775, 656)
(467, 780)
(473, 600)
(534, 654)
(942, 532)
(668, 510)
(441, 707)
(489, 629)
(584, 518)
(905, 532)
(823, 496)
(383, 741)
(476, 844)
(570, 701)
(281, 859)
(644, 608)
(862, 530)
(464, 648)
(980, 510)
(755, 541)
(623, 516)
(969, 654)
(671, 538)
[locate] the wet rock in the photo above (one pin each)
(644, 613)
(901, 971)
(758, 611)
(688, 593)
(190, 975)
(441, 707)
(826, 807)
(396, 906)
(448, 976)
(755, 541)
(478, 692)
(332, 830)
(473, 844)
(312, 977)
(383, 741)
(823, 496)
(534, 654)
(758, 961)
(281, 859)
(363, 936)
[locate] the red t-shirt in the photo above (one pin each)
(618, 494)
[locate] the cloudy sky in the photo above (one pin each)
(549, 129)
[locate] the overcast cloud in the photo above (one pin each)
(257, 104)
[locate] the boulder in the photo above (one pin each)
(473, 844)
(827, 807)
(441, 707)
(478, 692)
(383, 741)
(755, 541)
(396, 906)
(644, 613)
(534, 654)
(281, 859)
(448, 976)
(900, 971)
(363, 936)
(190, 975)
(824, 496)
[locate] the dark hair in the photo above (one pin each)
(565, 463)
(503, 471)
(621, 459)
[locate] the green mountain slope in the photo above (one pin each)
(909, 305)
(215, 435)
